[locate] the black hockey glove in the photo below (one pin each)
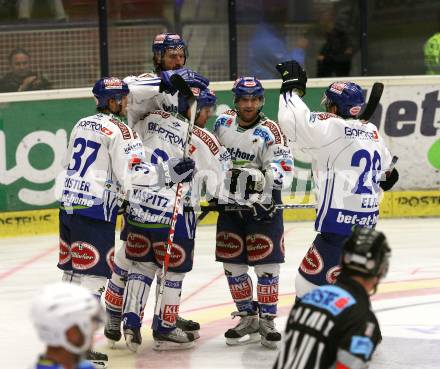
(390, 180)
(246, 181)
(263, 212)
(293, 75)
(192, 78)
(176, 170)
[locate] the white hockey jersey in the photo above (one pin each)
(348, 160)
(98, 162)
(145, 97)
(262, 146)
(163, 135)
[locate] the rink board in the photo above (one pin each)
(396, 204)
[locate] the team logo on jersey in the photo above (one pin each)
(137, 245)
(312, 262)
(361, 134)
(106, 131)
(258, 246)
(110, 258)
(64, 253)
(332, 274)
(207, 139)
(84, 255)
(229, 245)
(263, 134)
(178, 254)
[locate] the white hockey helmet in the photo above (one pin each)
(61, 306)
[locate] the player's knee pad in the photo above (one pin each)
(94, 283)
(240, 285)
(303, 286)
(267, 288)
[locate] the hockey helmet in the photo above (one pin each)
(347, 96)
(61, 306)
(164, 41)
(431, 51)
(247, 86)
(366, 253)
(109, 88)
(206, 98)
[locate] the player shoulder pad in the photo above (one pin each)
(275, 129)
(332, 298)
(208, 139)
(225, 120)
(161, 113)
(123, 128)
(315, 116)
(148, 75)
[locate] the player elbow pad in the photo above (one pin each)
(391, 178)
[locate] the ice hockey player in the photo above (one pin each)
(104, 158)
(65, 317)
(146, 92)
(165, 134)
(333, 326)
(253, 238)
(146, 95)
(349, 159)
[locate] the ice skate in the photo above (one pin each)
(112, 330)
(269, 335)
(133, 338)
(246, 331)
(174, 340)
(99, 359)
(188, 326)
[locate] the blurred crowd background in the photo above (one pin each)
(56, 43)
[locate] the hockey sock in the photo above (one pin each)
(169, 309)
(240, 286)
(139, 279)
(267, 288)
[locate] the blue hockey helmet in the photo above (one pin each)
(206, 98)
(109, 88)
(164, 41)
(347, 96)
(247, 86)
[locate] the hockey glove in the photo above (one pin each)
(263, 212)
(175, 170)
(192, 78)
(390, 180)
(293, 75)
(246, 181)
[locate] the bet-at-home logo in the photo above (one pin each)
(23, 168)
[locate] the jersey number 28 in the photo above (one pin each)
(372, 164)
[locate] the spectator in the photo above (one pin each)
(25, 7)
(21, 77)
(431, 51)
(341, 27)
(268, 46)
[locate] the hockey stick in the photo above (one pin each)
(183, 88)
(373, 101)
(220, 208)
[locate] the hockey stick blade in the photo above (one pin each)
(181, 86)
(373, 101)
